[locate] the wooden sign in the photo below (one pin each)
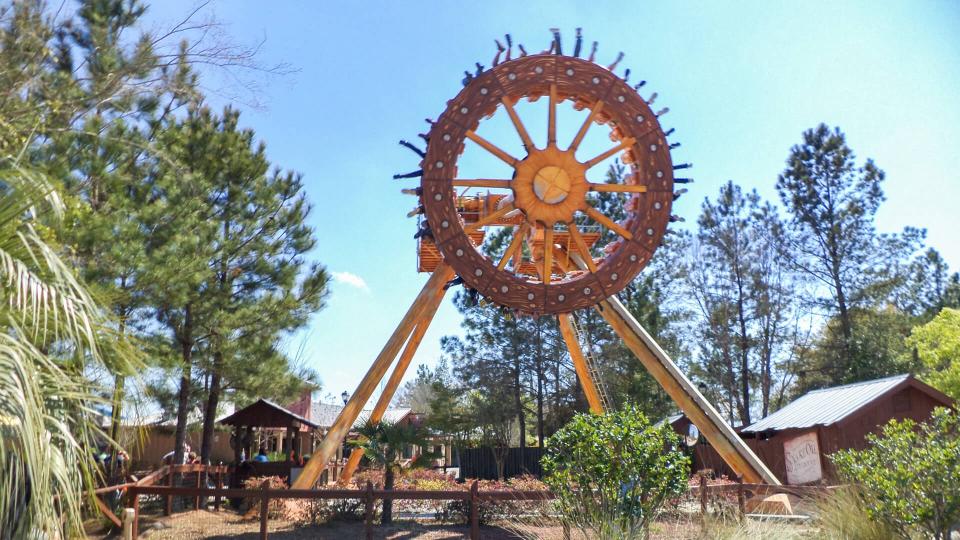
(802, 456)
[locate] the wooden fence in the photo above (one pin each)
(161, 482)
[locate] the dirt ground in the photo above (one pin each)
(228, 525)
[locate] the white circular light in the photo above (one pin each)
(586, 290)
(530, 296)
(633, 258)
(483, 91)
(659, 174)
(596, 80)
(621, 99)
(538, 69)
(438, 197)
(439, 164)
(653, 148)
(512, 76)
(639, 118)
(459, 252)
(444, 224)
(561, 297)
(504, 289)
(649, 232)
(446, 137)
(464, 110)
(658, 205)
(614, 276)
(569, 72)
(478, 272)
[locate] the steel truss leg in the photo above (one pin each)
(580, 363)
(425, 305)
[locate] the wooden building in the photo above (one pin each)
(795, 441)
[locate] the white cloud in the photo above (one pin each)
(352, 280)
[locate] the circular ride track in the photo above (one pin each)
(549, 204)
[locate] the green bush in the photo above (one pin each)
(613, 472)
(909, 477)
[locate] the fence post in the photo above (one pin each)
(566, 530)
(368, 517)
(703, 498)
(475, 511)
(216, 500)
(127, 520)
(196, 501)
(740, 499)
(168, 508)
(136, 512)
(264, 508)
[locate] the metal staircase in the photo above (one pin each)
(593, 369)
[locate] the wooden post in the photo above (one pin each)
(136, 512)
(740, 498)
(475, 511)
(703, 499)
(392, 383)
(127, 518)
(432, 293)
(216, 500)
(168, 507)
(196, 500)
(264, 508)
(368, 511)
(580, 363)
(727, 443)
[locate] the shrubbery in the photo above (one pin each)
(613, 472)
(909, 477)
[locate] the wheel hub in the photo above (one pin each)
(550, 185)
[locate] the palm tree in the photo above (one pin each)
(53, 336)
(383, 443)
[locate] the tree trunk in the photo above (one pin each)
(386, 517)
(744, 353)
(183, 398)
(540, 375)
(210, 412)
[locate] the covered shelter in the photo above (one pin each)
(277, 428)
(796, 440)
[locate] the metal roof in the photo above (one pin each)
(325, 414)
(827, 406)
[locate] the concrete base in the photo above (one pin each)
(778, 504)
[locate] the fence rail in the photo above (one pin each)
(153, 484)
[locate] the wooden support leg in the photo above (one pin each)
(432, 292)
(393, 383)
(721, 436)
(580, 363)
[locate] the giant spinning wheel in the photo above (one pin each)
(549, 266)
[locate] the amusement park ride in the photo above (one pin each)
(549, 267)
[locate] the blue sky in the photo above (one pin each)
(742, 81)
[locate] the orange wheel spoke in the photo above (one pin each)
(547, 253)
(493, 149)
(618, 188)
(586, 125)
(602, 219)
(552, 118)
(582, 247)
(521, 130)
(489, 219)
(514, 249)
(624, 144)
(481, 182)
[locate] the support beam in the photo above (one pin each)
(432, 290)
(721, 436)
(580, 363)
(393, 383)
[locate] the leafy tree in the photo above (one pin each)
(611, 473)
(831, 204)
(744, 298)
(906, 474)
(937, 345)
(384, 444)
